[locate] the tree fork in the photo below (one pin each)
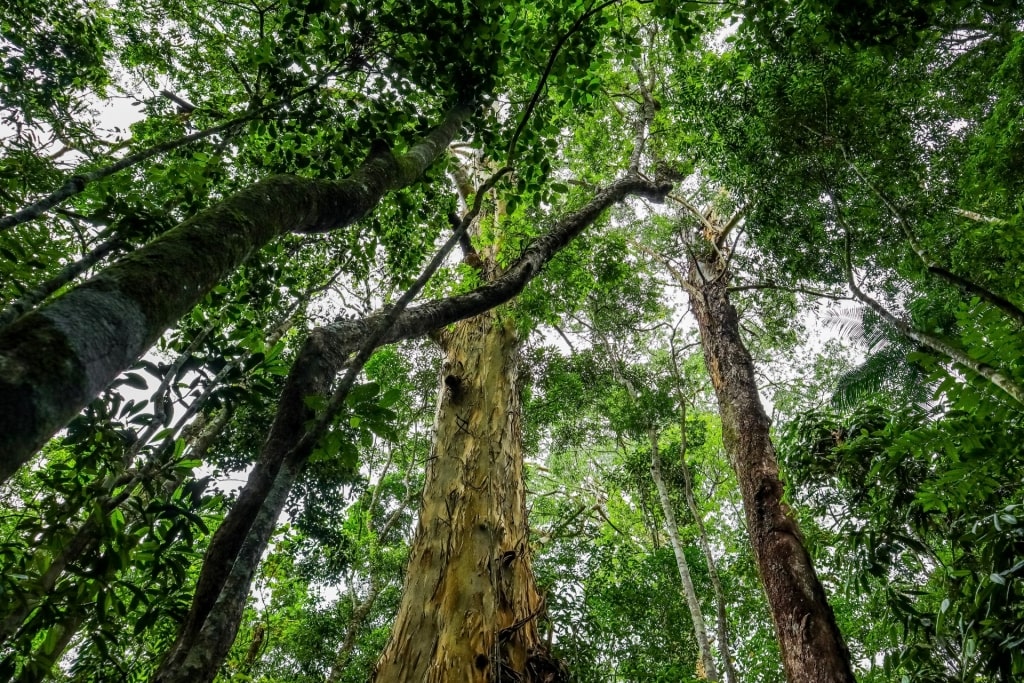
(469, 603)
(323, 355)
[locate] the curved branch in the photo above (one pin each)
(957, 355)
(77, 183)
(576, 26)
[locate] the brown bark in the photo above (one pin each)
(470, 606)
(251, 519)
(813, 650)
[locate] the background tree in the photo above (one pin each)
(873, 151)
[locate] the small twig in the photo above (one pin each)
(576, 26)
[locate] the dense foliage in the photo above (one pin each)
(864, 157)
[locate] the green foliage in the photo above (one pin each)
(924, 493)
(896, 126)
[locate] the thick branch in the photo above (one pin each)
(38, 294)
(99, 328)
(288, 446)
(78, 182)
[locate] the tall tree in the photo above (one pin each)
(814, 651)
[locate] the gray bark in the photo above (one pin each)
(699, 628)
(721, 618)
(38, 294)
(55, 360)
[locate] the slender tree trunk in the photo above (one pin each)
(190, 662)
(699, 627)
(721, 617)
(813, 650)
(470, 606)
(56, 359)
(355, 623)
(952, 351)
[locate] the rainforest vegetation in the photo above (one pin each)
(519, 341)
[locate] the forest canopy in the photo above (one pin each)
(527, 341)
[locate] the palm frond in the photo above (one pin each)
(886, 373)
(858, 324)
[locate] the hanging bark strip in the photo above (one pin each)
(234, 551)
(55, 360)
(813, 650)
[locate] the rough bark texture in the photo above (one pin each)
(248, 525)
(813, 650)
(35, 296)
(692, 602)
(470, 605)
(187, 663)
(322, 356)
(55, 360)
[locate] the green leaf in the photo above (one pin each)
(135, 381)
(390, 397)
(362, 393)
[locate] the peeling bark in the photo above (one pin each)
(470, 605)
(56, 359)
(813, 650)
(324, 354)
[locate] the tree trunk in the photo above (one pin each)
(56, 359)
(469, 609)
(325, 352)
(201, 649)
(721, 618)
(40, 292)
(813, 650)
(699, 627)
(355, 623)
